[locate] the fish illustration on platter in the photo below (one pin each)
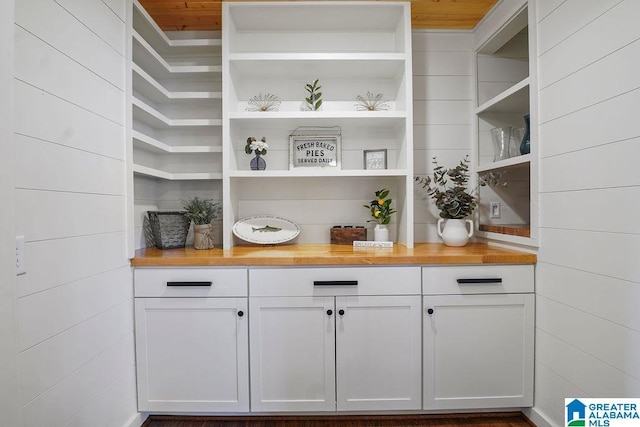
(265, 229)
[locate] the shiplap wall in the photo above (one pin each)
(588, 275)
(442, 112)
(9, 407)
(74, 309)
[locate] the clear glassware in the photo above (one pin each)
(514, 142)
(501, 138)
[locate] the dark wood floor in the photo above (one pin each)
(509, 419)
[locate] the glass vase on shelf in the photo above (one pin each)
(501, 137)
(525, 145)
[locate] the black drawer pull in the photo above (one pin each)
(189, 283)
(335, 283)
(488, 280)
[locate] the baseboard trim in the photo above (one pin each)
(537, 418)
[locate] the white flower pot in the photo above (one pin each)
(381, 233)
(454, 232)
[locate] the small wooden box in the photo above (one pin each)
(347, 235)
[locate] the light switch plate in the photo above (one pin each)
(495, 210)
(21, 265)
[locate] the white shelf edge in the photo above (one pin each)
(506, 238)
(317, 172)
(172, 94)
(166, 121)
(302, 56)
(186, 176)
(503, 95)
(311, 115)
(174, 69)
(512, 161)
(169, 149)
(169, 42)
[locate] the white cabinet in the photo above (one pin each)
(351, 49)
(478, 334)
(191, 340)
(506, 92)
(338, 347)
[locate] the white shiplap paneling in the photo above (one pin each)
(41, 65)
(587, 278)
(443, 105)
(75, 317)
(588, 45)
(48, 21)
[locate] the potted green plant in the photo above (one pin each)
(449, 188)
(314, 101)
(202, 212)
(381, 211)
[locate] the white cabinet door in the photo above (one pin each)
(292, 354)
(378, 352)
(192, 354)
(478, 351)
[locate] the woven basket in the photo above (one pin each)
(169, 229)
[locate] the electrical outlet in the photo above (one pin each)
(495, 210)
(21, 265)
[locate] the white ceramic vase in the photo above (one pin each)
(454, 232)
(381, 233)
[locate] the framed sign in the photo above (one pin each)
(375, 159)
(314, 151)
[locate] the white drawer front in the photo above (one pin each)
(334, 281)
(190, 282)
(477, 279)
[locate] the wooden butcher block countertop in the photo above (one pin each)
(327, 254)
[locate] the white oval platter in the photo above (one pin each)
(266, 229)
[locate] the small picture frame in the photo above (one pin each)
(314, 151)
(375, 159)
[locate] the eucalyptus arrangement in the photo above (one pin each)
(380, 208)
(314, 100)
(449, 188)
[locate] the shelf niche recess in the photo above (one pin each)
(505, 93)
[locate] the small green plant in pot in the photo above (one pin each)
(449, 189)
(202, 212)
(381, 211)
(314, 101)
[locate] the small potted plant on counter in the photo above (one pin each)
(449, 188)
(381, 211)
(202, 212)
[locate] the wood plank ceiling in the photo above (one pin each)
(176, 15)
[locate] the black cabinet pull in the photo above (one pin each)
(430, 311)
(488, 280)
(341, 312)
(189, 283)
(335, 283)
(240, 313)
(329, 312)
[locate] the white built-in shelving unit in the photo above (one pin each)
(352, 48)
(506, 77)
(176, 116)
